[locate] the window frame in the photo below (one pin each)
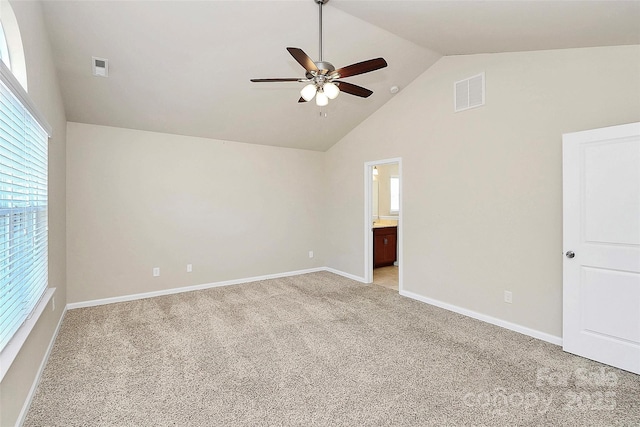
(4, 47)
(20, 336)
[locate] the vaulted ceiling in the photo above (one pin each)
(183, 67)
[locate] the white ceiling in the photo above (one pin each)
(468, 27)
(183, 67)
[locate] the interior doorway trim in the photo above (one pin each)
(368, 219)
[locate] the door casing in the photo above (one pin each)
(368, 219)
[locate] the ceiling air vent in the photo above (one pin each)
(100, 66)
(469, 93)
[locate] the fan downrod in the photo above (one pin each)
(320, 3)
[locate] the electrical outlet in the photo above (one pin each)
(508, 297)
(189, 268)
(310, 254)
(156, 271)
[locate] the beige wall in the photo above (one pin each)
(138, 200)
(482, 192)
(482, 189)
(43, 90)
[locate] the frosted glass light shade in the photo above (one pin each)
(321, 99)
(331, 90)
(308, 92)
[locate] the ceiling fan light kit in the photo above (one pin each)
(331, 90)
(321, 98)
(322, 77)
(308, 92)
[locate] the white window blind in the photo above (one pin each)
(23, 213)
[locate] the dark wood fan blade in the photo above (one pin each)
(292, 79)
(302, 58)
(301, 99)
(352, 89)
(360, 68)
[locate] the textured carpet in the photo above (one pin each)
(316, 349)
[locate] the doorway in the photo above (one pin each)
(383, 223)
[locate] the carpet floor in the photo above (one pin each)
(314, 350)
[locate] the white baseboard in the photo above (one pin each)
(479, 316)
(133, 297)
(485, 318)
(343, 274)
(473, 314)
(470, 313)
(36, 380)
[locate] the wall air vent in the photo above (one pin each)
(100, 66)
(469, 93)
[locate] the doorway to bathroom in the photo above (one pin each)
(383, 223)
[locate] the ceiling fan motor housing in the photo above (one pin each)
(324, 68)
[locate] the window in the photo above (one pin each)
(24, 134)
(394, 185)
(23, 213)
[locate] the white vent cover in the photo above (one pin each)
(100, 67)
(469, 93)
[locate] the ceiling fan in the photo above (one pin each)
(322, 77)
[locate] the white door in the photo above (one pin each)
(601, 239)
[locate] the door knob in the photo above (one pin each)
(570, 254)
